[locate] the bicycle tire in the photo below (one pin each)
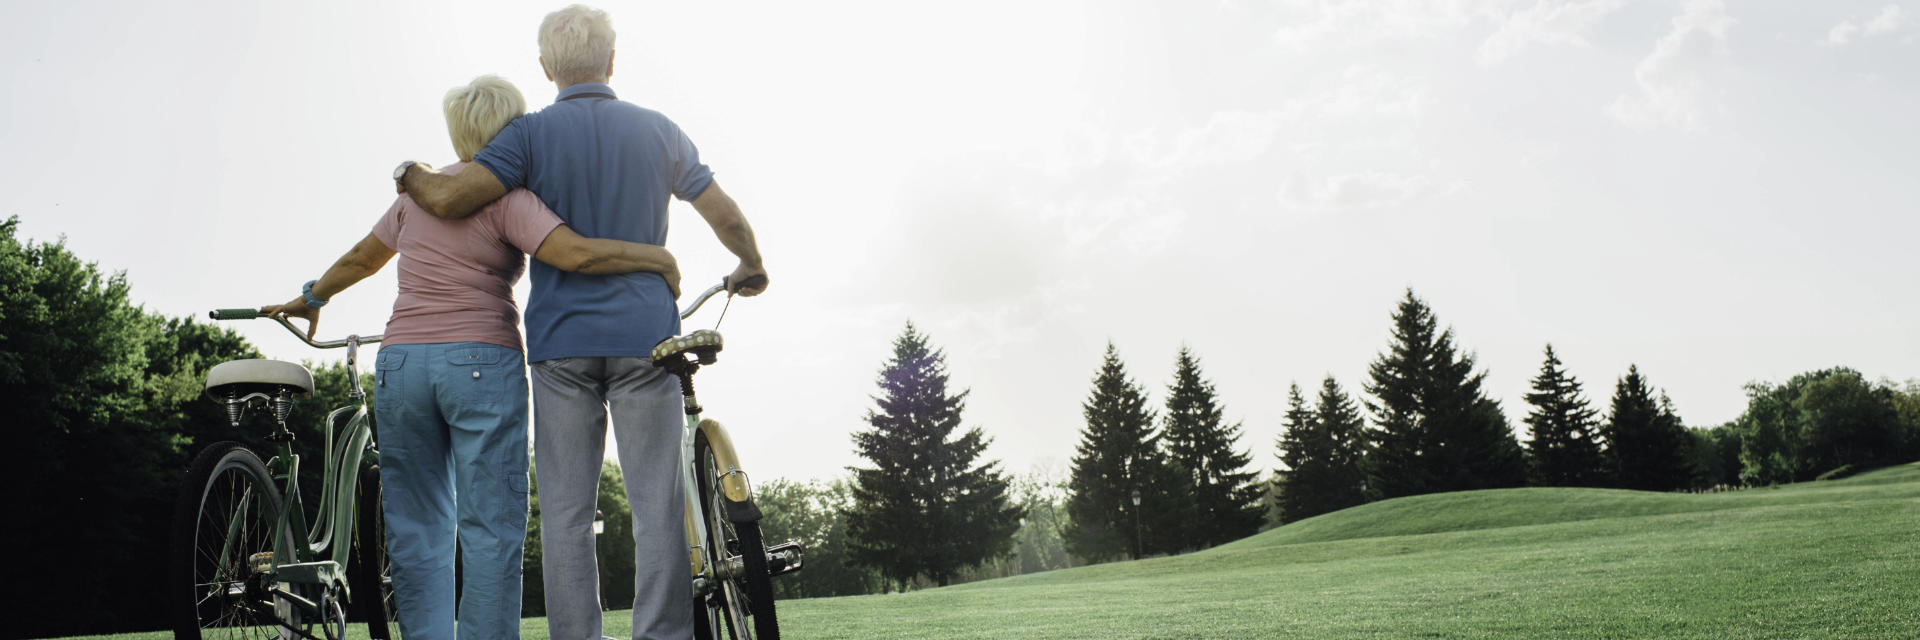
(227, 486)
(371, 575)
(749, 595)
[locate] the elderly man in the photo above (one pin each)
(606, 167)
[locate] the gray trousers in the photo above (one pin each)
(571, 400)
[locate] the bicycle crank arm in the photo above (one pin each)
(304, 605)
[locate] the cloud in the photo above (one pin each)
(1670, 79)
(1544, 23)
(1365, 91)
(1320, 24)
(1364, 190)
(1890, 20)
(1229, 137)
(1308, 25)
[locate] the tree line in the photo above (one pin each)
(1149, 480)
(104, 407)
(105, 402)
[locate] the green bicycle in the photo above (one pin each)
(244, 562)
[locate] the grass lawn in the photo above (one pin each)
(1837, 559)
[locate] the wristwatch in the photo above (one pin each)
(306, 291)
(401, 171)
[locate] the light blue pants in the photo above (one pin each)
(452, 424)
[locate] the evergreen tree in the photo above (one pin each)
(1437, 431)
(1646, 444)
(928, 506)
(1300, 450)
(1119, 455)
(1563, 430)
(1200, 447)
(1345, 431)
(1324, 451)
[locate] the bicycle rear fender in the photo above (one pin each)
(733, 479)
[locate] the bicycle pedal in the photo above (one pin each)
(261, 562)
(784, 558)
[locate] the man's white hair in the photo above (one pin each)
(476, 111)
(577, 44)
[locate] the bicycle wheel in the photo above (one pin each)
(743, 602)
(226, 516)
(371, 576)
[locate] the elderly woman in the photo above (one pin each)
(451, 384)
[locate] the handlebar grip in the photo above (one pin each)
(234, 314)
(754, 282)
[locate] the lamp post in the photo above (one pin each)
(1136, 524)
(599, 527)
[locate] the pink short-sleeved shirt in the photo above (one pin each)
(457, 276)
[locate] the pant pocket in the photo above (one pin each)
(386, 364)
(483, 373)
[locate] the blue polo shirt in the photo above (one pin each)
(606, 167)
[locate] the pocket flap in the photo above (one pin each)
(478, 355)
(389, 359)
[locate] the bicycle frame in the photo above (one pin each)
(733, 482)
(316, 559)
(320, 554)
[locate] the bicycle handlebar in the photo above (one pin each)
(249, 314)
(702, 299)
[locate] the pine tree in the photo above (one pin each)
(928, 506)
(1646, 443)
(1301, 451)
(1324, 450)
(1200, 447)
(1345, 432)
(1119, 455)
(1437, 431)
(1562, 428)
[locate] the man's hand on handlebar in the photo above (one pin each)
(297, 308)
(747, 280)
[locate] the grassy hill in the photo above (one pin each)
(1838, 559)
(1823, 560)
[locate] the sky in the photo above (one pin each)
(1716, 192)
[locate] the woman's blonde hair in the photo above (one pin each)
(476, 111)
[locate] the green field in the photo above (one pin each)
(1837, 559)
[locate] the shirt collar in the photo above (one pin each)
(584, 87)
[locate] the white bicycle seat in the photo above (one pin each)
(249, 374)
